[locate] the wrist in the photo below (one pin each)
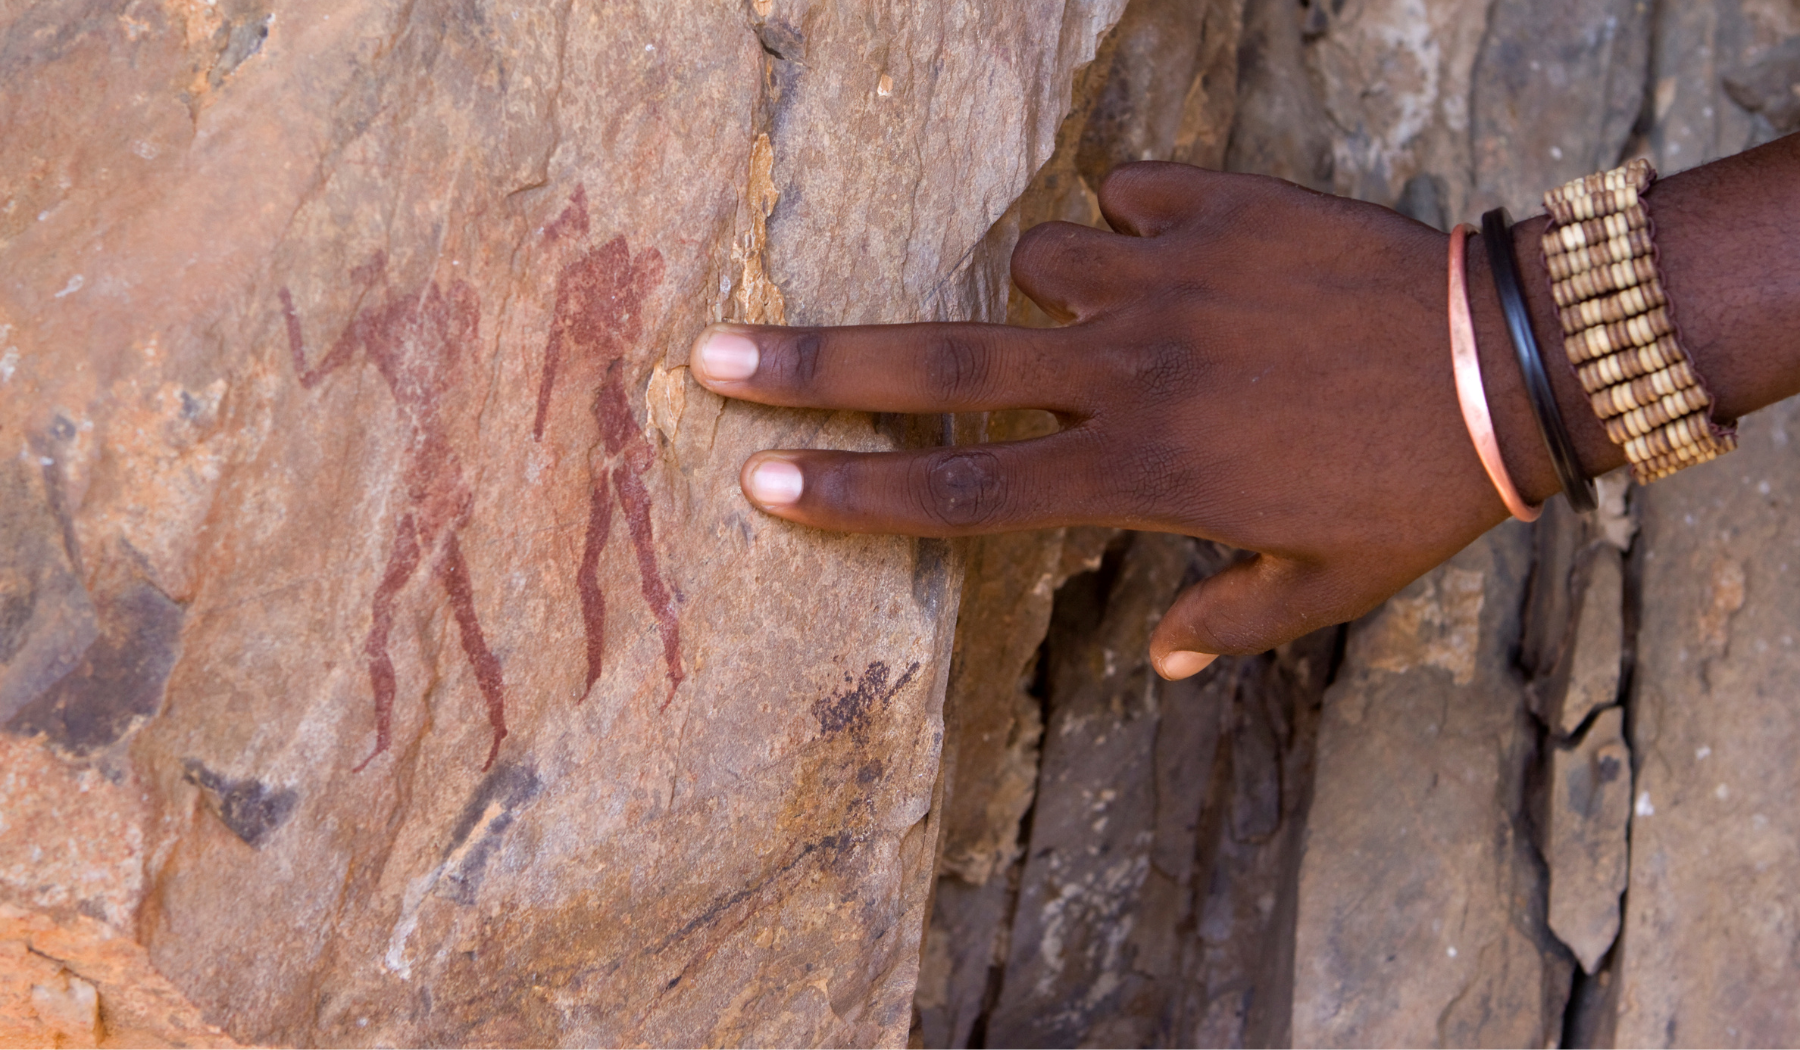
(1515, 423)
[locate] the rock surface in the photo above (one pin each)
(1528, 654)
(368, 553)
(1590, 806)
(1151, 907)
(1710, 921)
(386, 654)
(1421, 894)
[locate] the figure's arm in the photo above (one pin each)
(335, 358)
(1258, 364)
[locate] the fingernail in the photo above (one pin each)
(724, 356)
(775, 483)
(1183, 664)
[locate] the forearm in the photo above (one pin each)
(1728, 240)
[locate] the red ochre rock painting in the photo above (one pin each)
(598, 317)
(418, 342)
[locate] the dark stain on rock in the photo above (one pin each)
(238, 39)
(781, 40)
(771, 881)
(39, 35)
(930, 573)
(847, 708)
(249, 808)
(18, 600)
(119, 679)
(492, 809)
(47, 620)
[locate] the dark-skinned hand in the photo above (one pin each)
(1243, 360)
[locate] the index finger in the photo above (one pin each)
(934, 367)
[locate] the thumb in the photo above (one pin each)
(1251, 607)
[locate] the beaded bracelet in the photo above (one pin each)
(1618, 333)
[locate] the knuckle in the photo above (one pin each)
(796, 365)
(1043, 249)
(962, 489)
(1125, 178)
(956, 367)
(1150, 478)
(1160, 372)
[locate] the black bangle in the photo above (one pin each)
(1496, 231)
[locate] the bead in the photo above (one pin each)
(1634, 300)
(1602, 339)
(1565, 264)
(1621, 396)
(1648, 417)
(1656, 468)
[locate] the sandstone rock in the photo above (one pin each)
(1589, 808)
(1095, 817)
(1154, 906)
(1413, 131)
(1240, 969)
(70, 980)
(360, 519)
(965, 949)
(1162, 86)
(1421, 902)
(1598, 643)
(1586, 61)
(992, 748)
(1766, 88)
(1697, 44)
(1710, 916)
(1282, 127)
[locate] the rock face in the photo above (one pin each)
(1422, 910)
(387, 655)
(377, 595)
(1711, 924)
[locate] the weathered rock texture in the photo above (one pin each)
(385, 647)
(387, 656)
(1462, 831)
(1714, 913)
(1421, 895)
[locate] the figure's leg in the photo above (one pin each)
(401, 563)
(635, 500)
(455, 573)
(587, 579)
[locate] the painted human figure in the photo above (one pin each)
(597, 318)
(419, 342)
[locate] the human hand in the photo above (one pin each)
(1244, 361)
